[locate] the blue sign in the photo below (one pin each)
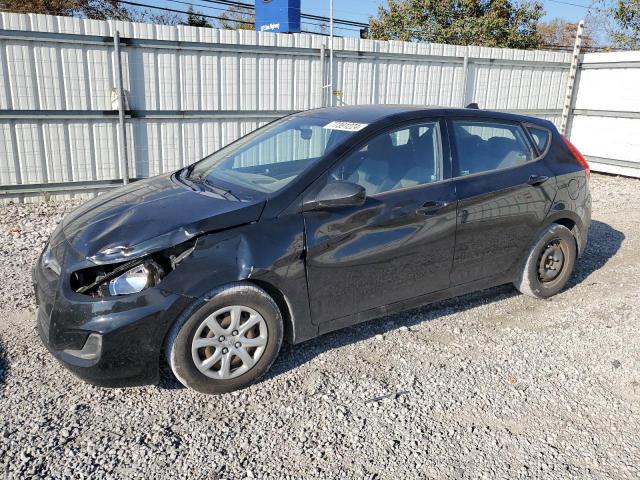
(278, 16)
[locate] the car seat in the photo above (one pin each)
(420, 168)
(373, 171)
(506, 152)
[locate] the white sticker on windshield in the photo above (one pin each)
(346, 126)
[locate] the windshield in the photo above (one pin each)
(269, 158)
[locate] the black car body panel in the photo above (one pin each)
(572, 204)
(498, 216)
(410, 245)
(402, 251)
(150, 215)
(252, 252)
(132, 327)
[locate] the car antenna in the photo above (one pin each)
(473, 105)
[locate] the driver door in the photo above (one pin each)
(399, 244)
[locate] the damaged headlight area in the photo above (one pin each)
(136, 279)
(132, 276)
(49, 260)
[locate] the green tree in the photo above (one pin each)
(490, 23)
(195, 19)
(95, 9)
(626, 15)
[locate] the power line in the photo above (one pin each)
(193, 4)
(172, 10)
(578, 5)
(312, 17)
(308, 16)
(240, 5)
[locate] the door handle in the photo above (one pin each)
(432, 207)
(536, 180)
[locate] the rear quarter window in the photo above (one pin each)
(541, 137)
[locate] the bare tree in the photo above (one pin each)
(238, 18)
(561, 34)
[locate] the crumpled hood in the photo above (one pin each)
(148, 216)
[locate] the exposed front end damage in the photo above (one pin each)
(110, 340)
(104, 308)
(253, 253)
(108, 293)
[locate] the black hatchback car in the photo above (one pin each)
(317, 221)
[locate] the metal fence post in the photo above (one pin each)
(573, 71)
(323, 85)
(124, 161)
(331, 94)
(465, 76)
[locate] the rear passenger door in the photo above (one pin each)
(504, 190)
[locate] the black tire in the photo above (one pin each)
(178, 346)
(549, 264)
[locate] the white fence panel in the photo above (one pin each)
(605, 123)
(192, 90)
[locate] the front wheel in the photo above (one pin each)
(228, 343)
(549, 263)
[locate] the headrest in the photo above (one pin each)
(502, 145)
(382, 144)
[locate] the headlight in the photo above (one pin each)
(49, 260)
(136, 279)
(132, 276)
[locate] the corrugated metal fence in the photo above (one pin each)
(605, 122)
(192, 90)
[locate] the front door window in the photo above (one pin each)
(402, 158)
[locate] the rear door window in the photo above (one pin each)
(483, 146)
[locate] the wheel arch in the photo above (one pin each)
(254, 255)
(573, 223)
(197, 303)
(274, 293)
(283, 305)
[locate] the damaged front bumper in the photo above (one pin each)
(111, 342)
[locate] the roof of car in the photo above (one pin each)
(374, 113)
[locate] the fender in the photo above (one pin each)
(573, 203)
(578, 228)
(253, 253)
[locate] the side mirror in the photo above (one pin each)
(337, 194)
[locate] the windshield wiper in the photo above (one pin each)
(186, 172)
(183, 176)
(202, 179)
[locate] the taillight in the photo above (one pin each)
(577, 155)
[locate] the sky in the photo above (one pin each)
(361, 10)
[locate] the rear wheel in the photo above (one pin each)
(228, 343)
(549, 263)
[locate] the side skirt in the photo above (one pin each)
(396, 307)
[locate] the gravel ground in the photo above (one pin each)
(493, 385)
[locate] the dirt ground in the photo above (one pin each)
(489, 385)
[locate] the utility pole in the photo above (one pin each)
(571, 81)
(331, 53)
(124, 161)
